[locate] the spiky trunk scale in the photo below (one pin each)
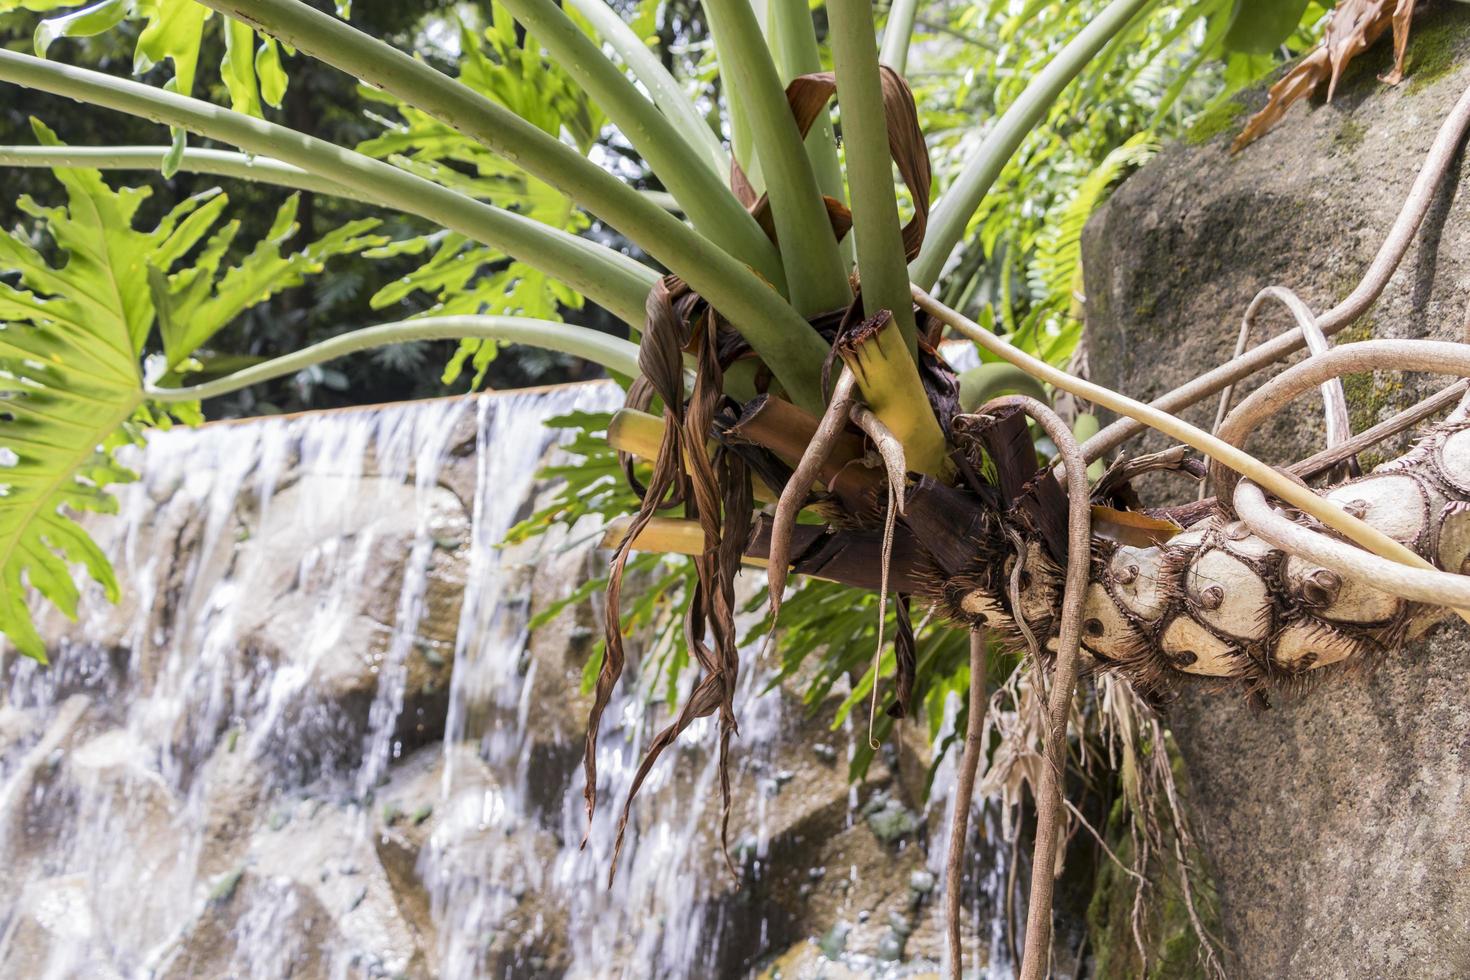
(1217, 601)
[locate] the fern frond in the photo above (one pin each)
(1056, 270)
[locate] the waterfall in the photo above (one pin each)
(316, 738)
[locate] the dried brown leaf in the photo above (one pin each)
(1353, 27)
(808, 96)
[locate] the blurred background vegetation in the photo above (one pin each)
(1019, 271)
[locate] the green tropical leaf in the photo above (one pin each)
(173, 31)
(1056, 270)
(1261, 26)
(87, 22)
(270, 73)
(73, 334)
(238, 67)
(194, 304)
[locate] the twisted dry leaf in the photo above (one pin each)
(1352, 28)
(808, 96)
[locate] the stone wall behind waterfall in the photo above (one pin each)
(315, 740)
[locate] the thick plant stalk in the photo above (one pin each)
(1436, 164)
(1048, 794)
(783, 339)
(220, 163)
(898, 34)
(964, 791)
(794, 48)
(1218, 601)
(667, 535)
(611, 352)
(608, 278)
(377, 63)
(665, 90)
(876, 354)
(875, 225)
(703, 194)
(1424, 583)
(814, 268)
(953, 211)
(641, 434)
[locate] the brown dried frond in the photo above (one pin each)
(1352, 28)
(715, 492)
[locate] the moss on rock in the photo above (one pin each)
(1219, 118)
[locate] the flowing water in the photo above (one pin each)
(316, 739)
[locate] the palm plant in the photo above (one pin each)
(784, 391)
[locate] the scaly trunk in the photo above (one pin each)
(1218, 601)
(1213, 601)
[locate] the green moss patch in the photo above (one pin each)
(1435, 46)
(1217, 119)
(1351, 135)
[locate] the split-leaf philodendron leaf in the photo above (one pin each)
(75, 323)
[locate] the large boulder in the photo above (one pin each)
(1335, 819)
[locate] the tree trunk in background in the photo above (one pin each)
(1337, 823)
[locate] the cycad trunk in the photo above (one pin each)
(1336, 821)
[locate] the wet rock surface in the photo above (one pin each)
(317, 740)
(1334, 820)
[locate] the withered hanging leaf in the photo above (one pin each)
(1352, 28)
(808, 95)
(715, 492)
(661, 369)
(1401, 15)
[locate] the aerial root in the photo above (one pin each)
(794, 494)
(964, 791)
(1079, 546)
(1334, 402)
(893, 460)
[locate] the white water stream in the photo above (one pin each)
(260, 764)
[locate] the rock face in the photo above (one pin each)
(1335, 821)
(316, 739)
